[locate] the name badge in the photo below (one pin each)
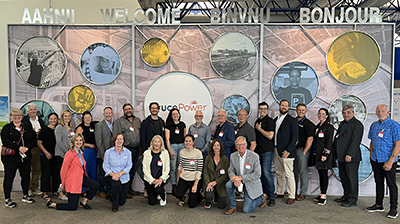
(125, 156)
(320, 135)
(131, 128)
(236, 131)
(191, 162)
(195, 135)
(177, 131)
(18, 128)
(91, 130)
(221, 134)
(380, 134)
(221, 171)
(248, 166)
(163, 129)
(72, 133)
(159, 163)
(337, 136)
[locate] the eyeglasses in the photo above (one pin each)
(220, 115)
(198, 115)
(16, 115)
(242, 115)
(260, 108)
(240, 145)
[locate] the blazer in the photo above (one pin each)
(287, 136)
(212, 173)
(72, 172)
(147, 157)
(147, 132)
(251, 177)
(103, 138)
(228, 138)
(323, 146)
(26, 120)
(349, 140)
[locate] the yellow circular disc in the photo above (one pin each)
(155, 52)
(81, 98)
(353, 57)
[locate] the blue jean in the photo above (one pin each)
(249, 204)
(266, 178)
(176, 149)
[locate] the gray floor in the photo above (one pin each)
(137, 210)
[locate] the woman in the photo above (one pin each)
(86, 128)
(19, 138)
(215, 175)
(47, 143)
(64, 133)
(175, 130)
(74, 177)
(36, 66)
(189, 174)
(156, 170)
(117, 164)
(323, 152)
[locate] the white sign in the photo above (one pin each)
(395, 112)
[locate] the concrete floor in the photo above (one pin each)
(137, 210)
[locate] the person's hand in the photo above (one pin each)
(323, 158)
(91, 145)
(237, 183)
(209, 187)
(48, 155)
(347, 158)
(172, 155)
(387, 166)
(22, 149)
(258, 126)
(285, 154)
(157, 182)
(235, 178)
(194, 188)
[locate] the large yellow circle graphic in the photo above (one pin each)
(155, 52)
(81, 98)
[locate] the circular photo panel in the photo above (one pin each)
(40, 62)
(155, 52)
(233, 55)
(42, 107)
(100, 64)
(233, 104)
(365, 168)
(353, 57)
(81, 98)
(296, 82)
(335, 109)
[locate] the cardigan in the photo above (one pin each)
(147, 157)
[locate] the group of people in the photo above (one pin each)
(233, 163)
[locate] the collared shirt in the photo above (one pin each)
(383, 137)
(202, 136)
(35, 124)
(242, 161)
(130, 130)
(110, 126)
(264, 144)
(79, 155)
(116, 162)
(278, 125)
(306, 130)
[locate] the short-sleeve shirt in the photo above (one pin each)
(174, 136)
(48, 138)
(306, 129)
(246, 131)
(263, 143)
(383, 137)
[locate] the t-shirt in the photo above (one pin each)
(48, 138)
(246, 131)
(156, 170)
(294, 95)
(88, 133)
(157, 126)
(176, 132)
(306, 129)
(263, 143)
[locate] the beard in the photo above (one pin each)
(283, 112)
(128, 116)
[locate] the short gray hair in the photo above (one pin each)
(241, 137)
(346, 107)
(222, 110)
(32, 105)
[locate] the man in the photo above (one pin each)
(294, 93)
(384, 150)
(287, 134)
(201, 133)
(264, 129)
(31, 120)
(347, 145)
(103, 133)
(225, 132)
(151, 126)
(244, 173)
(129, 126)
(244, 129)
(306, 136)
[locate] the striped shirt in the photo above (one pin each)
(191, 164)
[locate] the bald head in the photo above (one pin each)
(382, 112)
(242, 116)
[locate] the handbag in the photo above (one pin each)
(5, 151)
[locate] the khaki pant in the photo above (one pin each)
(284, 169)
(35, 168)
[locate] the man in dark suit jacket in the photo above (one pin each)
(287, 134)
(151, 126)
(347, 145)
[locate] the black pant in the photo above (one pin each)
(135, 158)
(153, 192)
(118, 191)
(323, 180)
(48, 181)
(380, 174)
(221, 201)
(73, 199)
(57, 178)
(348, 173)
(183, 186)
(10, 168)
(104, 187)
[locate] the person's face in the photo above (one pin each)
(87, 119)
(347, 114)
(154, 110)
(105, 63)
(53, 120)
(322, 115)
(198, 117)
(189, 143)
(221, 117)
(67, 117)
(242, 116)
(175, 115)
(35, 55)
(108, 114)
(119, 141)
(382, 112)
(216, 148)
(16, 118)
(283, 107)
(294, 78)
(156, 143)
(128, 111)
(301, 111)
(262, 110)
(78, 142)
(32, 112)
(241, 146)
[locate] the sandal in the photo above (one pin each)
(46, 197)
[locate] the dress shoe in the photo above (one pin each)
(85, 206)
(133, 193)
(300, 197)
(129, 196)
(279, 195)
(348, 204)
(290, 201)
(264, 202)
(341, 199)
(271, 203)
(102, 195)
(114, 209)
(230, 211)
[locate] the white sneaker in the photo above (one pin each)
(64, 198)
(163, 202)
(37, 192)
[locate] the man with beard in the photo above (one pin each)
(287, 134)
(151, 126)
(201, 133)
(129, 126)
